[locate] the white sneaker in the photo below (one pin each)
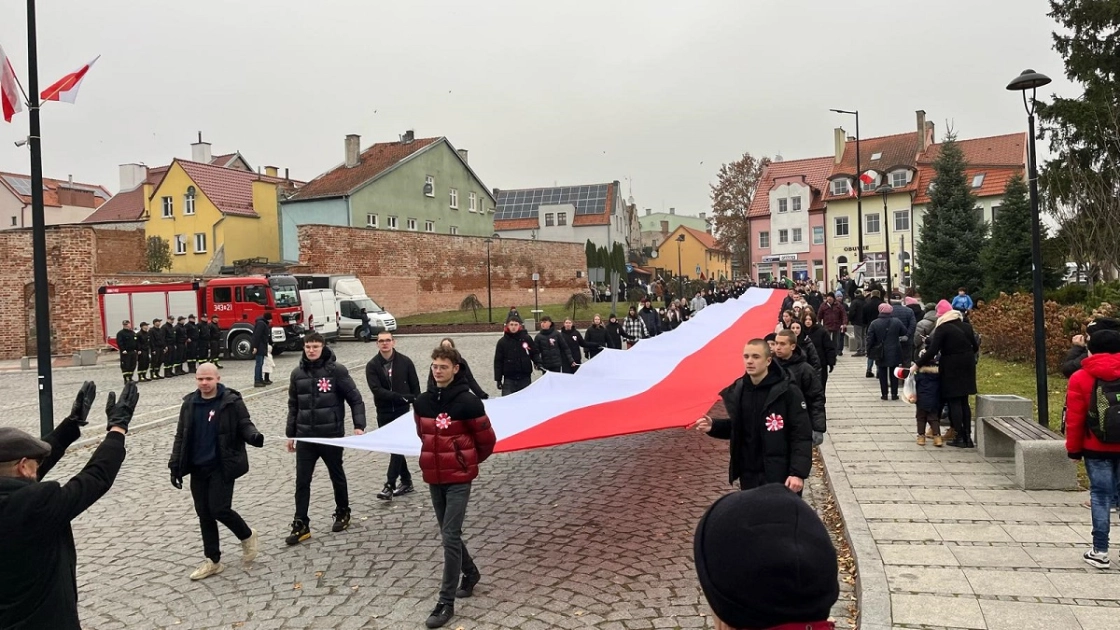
(249, 547)
(208, 568)
(1096, 559)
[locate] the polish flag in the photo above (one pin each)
(852, 191)
(664, 382)
(869, 177)
(9, 93)
(66, 88)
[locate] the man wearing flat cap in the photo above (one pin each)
(38, 560)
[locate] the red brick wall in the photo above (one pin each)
(415, 272)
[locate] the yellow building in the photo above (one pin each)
(701, 256)
(213, 215)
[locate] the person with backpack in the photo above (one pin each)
(1093, 433)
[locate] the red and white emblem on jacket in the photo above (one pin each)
(774, 422)
(324, 385)
(525, 346)
(443, 421)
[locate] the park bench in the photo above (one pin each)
(1040, 454)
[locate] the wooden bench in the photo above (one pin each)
(1040, 454)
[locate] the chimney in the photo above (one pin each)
(496, 191)
(648, 212)
(271, 171)
(408, 137)
(353, 149)
(132, 175)
(838, 140)
(930, 136)
(703, 216)
(200, 151)
(921, 130)
(70, 179)
(463, 154)
(286, 178)
(672, 210)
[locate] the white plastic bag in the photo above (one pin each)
(910, 387)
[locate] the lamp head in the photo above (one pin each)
(1028, 80)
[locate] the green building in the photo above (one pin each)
(657, 226)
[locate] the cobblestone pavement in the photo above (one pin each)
(590, 535)
(943, 537)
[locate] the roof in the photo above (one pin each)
(127, 205)
(520, 209)
(813, 171)
(229, 189)
(894, 151)
(997, 158)
(372, 163)
(228, 159)
(20, 186)
(993, 183)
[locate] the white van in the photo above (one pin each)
(320, 313)
(350, 298)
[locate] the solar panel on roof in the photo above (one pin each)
(525, 204)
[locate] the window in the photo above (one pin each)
(840, 226)
(430, 186)
(13, 220)
(872, 221)
(454, 230)
(391, 223)
(783, 205)
(180, 244)
(429, 226)
(549, 219)
(472, 200)
(995, 213)
(818, 235)
(898, 179)
(979, 213)
(841, 186)
(783, 237)
(763, 240)
(901, 220)
(454, 200)
(168, 208)
(257, 294)
(978, 180)
(188, 201)
(869, 187)
(876, 155)
(371, 220)
(561, 218)
(795, 203)
(199, 243)
(223, 295)
(796, 235)
(411, 223)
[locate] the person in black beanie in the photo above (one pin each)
(765, 560)
(1078, 351)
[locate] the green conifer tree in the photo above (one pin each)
(1007, 255)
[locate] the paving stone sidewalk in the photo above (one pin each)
(942, 536)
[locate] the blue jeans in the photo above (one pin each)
(1104, 484)
(258, 369)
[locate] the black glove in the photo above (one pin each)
(830, 368)
(484, 396)
(79, 413)
(257, 441)
(409, 398)
(499, 384)
(119, 413)
(176, 480)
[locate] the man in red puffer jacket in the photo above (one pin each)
(455, 437)
(1093, 432)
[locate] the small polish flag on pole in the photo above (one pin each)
(66, 88)
(9, 93)
(869, 177)
(852, 192)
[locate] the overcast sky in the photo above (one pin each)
(655, 94)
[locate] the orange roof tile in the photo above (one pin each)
(1006, 150)
(372, 162)
(995, 180)
(516, 224)
(51, 186)
(229, 189)
(127, 205)
(706, 239)
(898, 150)
(813, 171)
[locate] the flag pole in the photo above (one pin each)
(26, 101)
(39, 236)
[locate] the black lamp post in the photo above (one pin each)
(859, 188)
(885, 190)
(489, 291)
(680, 269)
(1031, 80)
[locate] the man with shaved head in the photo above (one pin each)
(767, 423)
(214, 427)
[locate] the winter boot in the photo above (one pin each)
(142, 377)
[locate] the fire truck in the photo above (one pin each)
(237, 301)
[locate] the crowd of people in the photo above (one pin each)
(164, 349)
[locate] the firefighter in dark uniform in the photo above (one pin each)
(168, 329)
(143, 339)
(215, 342)
(126, 346)
(180, 345)
(202, 351)
(156, 344)
(192, 344)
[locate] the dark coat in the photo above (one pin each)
(1072, 362)
(155, 337)
(810, 350)
(808, 380)
(126, 340)
(515, 356)
(595, 339)
(389, 394)
(888, 332)
(833, 316)
(615, 333)
(317, 397)
(168, 334)
(822, 343)
(142, 341)
(554, 351)
(906, 316)
(235, 430)
(652, 320)
(467, 376)
(955, 342)
(575, 343)
(855, 312)
(262, 336)
(455, 434)
(871, 310)
(39, 584)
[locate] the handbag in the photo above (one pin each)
(876, 352)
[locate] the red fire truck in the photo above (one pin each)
(237, 301)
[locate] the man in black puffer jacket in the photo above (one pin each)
(318, 394)
(555, 356)
(515, 356)
(807, 378)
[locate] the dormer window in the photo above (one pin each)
(876, 155)
(841, 186)
(899, 179)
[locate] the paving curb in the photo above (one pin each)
(872, 590)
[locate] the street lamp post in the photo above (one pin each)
(859, 188)
(885, 190)
(680, 269)
(1031, 80)
(489, 290)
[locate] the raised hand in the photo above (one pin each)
(83, 402)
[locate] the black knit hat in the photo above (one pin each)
(1104, 342)
(764, 559)
(1102, 323)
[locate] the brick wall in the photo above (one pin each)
(416, 272)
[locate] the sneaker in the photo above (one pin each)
(440, 615)
(341, 520)
(921, 440)
(466, 587)
(937, 441)
(869, 374)
(208, 568)
(249, 547)
(1094, 558)
(406, 488)
(950, 434)
(386, 493)
(300, 532)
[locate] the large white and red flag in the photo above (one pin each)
(66, 88)
(9, 93)
(664, 382)
(869, 177)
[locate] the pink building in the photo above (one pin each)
(787, 222)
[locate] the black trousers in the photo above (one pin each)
(450, 504)
(306, 457)
(514, 385)
(960, 415)
(398, 465)
(128, 361)
(142, 361)
(887, 372)
(215, 350)
(156, 359)
(202, 351)
(180, 354)
(213, 502)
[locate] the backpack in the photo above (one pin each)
(1104, 411)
